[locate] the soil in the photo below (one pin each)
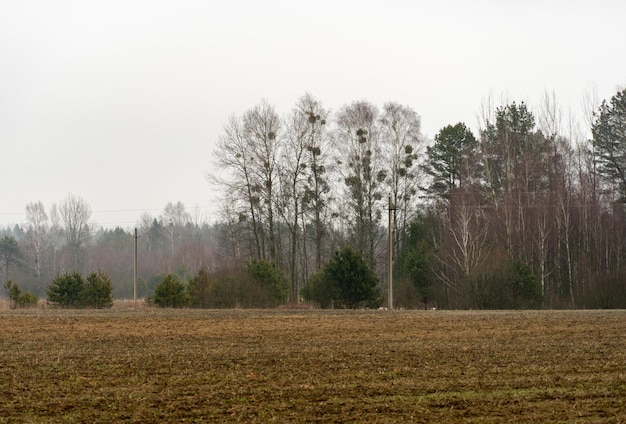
(147, 365)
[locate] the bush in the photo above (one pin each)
(27, 300)
(66, 289)
(199, 289)
(506, 284)
(522, 290)
(414, 262)
(268, 275)
(320, 290)
(171, 293)
(14, 293)
(97, 291)
(345, 282)
(260, 285)
(17, 298)
(71, 290)
(606, 291)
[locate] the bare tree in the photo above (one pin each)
(175, 214)
(231, 237)
(235, 161)
(262, 126)
(303, 185)
(292, 172)
(175, 217)
(468, 230)
(74, 214)
(465, 242)
(246, 155)
(541, 237)
(401, 145)
(317, 188)
(36, 235)
(589, 104)
(357, 142)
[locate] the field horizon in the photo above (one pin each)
(165, 365)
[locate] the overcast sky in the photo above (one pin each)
(121, 102)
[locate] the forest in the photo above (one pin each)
(528, 212)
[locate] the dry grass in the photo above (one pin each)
(146, 365)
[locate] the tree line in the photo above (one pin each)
(525, 212)
(63, 239)
(298, 188)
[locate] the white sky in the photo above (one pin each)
(121, 102)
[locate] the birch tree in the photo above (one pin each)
(401, 145)
(357, 143)
(235, 163)
(292, 172)
(317, 187)
(36, 236)
(74, 214)
(261, 128)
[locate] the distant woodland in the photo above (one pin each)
(528, 212)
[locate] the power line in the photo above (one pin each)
(15, 217)
(117, 210)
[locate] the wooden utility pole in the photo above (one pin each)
(391, 209)
(135, 271)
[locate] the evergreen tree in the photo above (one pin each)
(9, 250)
(170, 293)
(19, 298)
(66, 290)
(345, 282)
(449, 159)
(199, 289)
(14, 293)
(415, 258)
(97, 291)
(609, 137)
(268, 275)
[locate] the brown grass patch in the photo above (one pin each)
(146, 365)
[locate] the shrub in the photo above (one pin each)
(522, 290)
(17, 298)
(199, 289)
(171, 293)
(414, 261)
(607, 290)
(14, 293)
(225, 290)
(71, 290)
(320, 290)
(27, 300)
(261, 284)
(345, 282)
(506, 284)
(66, 289)
(268, 275)
(97, 291)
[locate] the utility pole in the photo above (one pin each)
(391, 209)
(135, 271)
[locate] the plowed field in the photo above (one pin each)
(312, 366)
